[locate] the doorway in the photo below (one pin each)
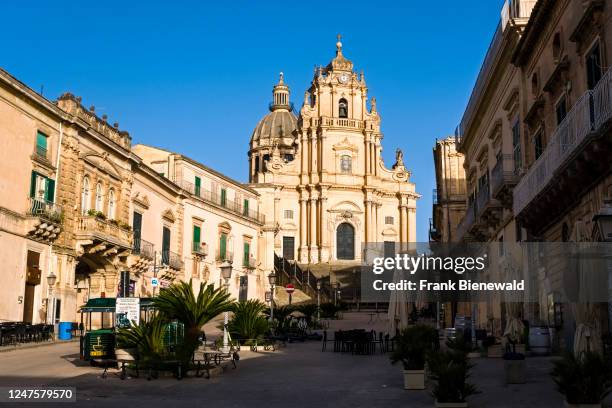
(32, 280)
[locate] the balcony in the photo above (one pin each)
(172, 260)
(144, 249)
(249, 263)
(98, 235)
(46, 221)
(224, 256)
(342, 122)
(571, 162)
(434, 234)
(503, 179)
(199, 248)
(466, 223)
(214, 198)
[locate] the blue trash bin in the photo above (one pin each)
(65, 331)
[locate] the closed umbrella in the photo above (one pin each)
(398, 306)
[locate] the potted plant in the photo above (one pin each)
(583, 380)
(514, 357)
(411, 348)
(450, 372)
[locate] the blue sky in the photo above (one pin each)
(195, 77)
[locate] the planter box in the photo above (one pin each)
(126, 354)
(568, 405)
(451, 404)
(495, 351)
(515, 371)
(414, 379)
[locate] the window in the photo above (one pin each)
(99, 197)
(256, 164)
(289, 248)
(244, 288)
(593, 66)
(245, 207)
(538, 145)
(345, 241)
(85, 195)
(535, 84)
(389, 220)
(246, 253)
(343, 108)
(42, 188)
(556, 47)
(41, 144)
(223, 197)
(501, 249)
(288, 214)
(288, 157)
(516, 146)
(346, 164)
(111, 204)
(222, 246)
(561, 110)
(137, 227)
(165, 246)
(196, 238)
(197, 186)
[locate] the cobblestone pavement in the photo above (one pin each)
(299, 375)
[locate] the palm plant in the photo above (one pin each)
(309, 310)
(248, 321)
(413, 344)
(180, 302)
(584, 379)
(147, 337)
(450, 372)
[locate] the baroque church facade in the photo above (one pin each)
(324, 188)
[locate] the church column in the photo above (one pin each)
(313, 228)
(304, 155)
(367, 154)
(411, 213)
(303, 229)
(325, 250)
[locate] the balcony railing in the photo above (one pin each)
(224, 256)
(216, 199)
(589, 113)
(45, 209)
(172, 259)
(342, 122)
(249, 263)
(434, 196)
(143, 248)
(103, 228)
(199, 248)
(483, 196)
(41, 152)
(503, 173)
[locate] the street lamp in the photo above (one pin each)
(226, 274)
(337, 297)
(272, 280)
(51, 279)
(318, 300)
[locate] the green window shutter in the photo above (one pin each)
(33, 184)
(247, 252)
(196, 234)
(198, 185)
(223, 197)
(41, 140)
(50, 190)
(222, 246)
(246, 207)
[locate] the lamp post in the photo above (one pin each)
(226, 273)
(337, 297)
(272, 280)
(51, 279)
(318, 300)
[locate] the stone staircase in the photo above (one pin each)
(281, 298)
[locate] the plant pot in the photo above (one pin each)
(414, 379)
(130, 354)
(495, 351)
(568, 405)
(514, 371)
(451, 404)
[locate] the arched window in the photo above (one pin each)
(345, 241)
(346, 164)
(99, 197)
(85, 195)
(111, 204)
(556, 47)
(343, 108)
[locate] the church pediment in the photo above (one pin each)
(345, 145)
(101, 162)
(346, 206)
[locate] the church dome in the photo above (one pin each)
(278, 126)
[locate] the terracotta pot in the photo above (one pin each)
(414, 379)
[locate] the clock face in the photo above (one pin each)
(343, 78)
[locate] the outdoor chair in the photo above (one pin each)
(325, 340)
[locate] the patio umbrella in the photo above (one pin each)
(398, 306)
(514, 327)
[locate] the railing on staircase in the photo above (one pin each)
(290, 272)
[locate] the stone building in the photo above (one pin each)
(220, 221)
(324, 188)
(535, 135)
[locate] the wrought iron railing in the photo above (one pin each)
(45, 209)
(143, 248)
(503, 172)
(41, 151)
(466, 222)
(585, 118)
(93, 224)
(215, 198)
(172, 259)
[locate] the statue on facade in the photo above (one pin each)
(399, 158)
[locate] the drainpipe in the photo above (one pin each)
(57, 173)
